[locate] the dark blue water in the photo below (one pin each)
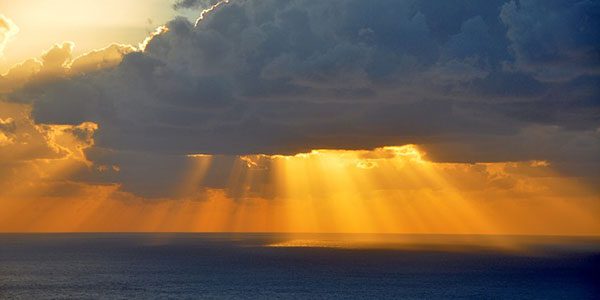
(82, 266)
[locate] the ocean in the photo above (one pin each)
(309, 266)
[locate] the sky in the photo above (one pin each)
(90, 24)
(411, 116)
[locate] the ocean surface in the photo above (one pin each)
(309, 266)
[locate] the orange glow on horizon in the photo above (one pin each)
(385, 190)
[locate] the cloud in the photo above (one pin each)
(554, 39)
(24, 140)
(58, 63)
(283, 77)
(194, 4)
(7, 129)
(8, 29)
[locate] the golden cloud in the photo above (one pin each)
(8, 29)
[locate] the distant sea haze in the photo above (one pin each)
(310, 266)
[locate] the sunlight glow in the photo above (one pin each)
(384, 190)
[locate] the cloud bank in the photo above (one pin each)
(468, 81)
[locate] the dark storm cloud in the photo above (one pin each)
(473, 81)
(556, 38)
